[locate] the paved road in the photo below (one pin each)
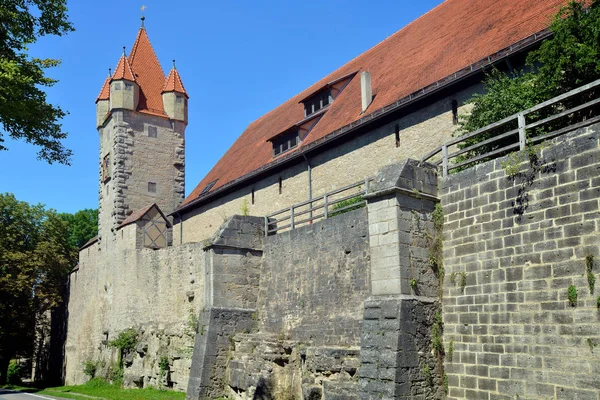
(10, 395)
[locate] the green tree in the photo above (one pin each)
(24, 112)
(35, 258)
(569, 59)
(83, 225)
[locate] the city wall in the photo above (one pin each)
(513, 247)
(155, 292)
(354, 306)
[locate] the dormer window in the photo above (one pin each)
(286, 142)
(317, 102)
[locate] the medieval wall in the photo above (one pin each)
(344, 164)
(308, 318)
(159, 293)
(315, 279)
(513, 248)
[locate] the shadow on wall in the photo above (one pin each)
(50, 342)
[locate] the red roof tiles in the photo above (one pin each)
(142, 67)
(148, 73)
(105, 91)
(174, 83)
(450, 37)
(123, 70)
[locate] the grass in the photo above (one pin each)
(98, 388)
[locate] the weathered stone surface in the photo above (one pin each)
(511, 326)
(314, 280)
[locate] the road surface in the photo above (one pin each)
(11, 395)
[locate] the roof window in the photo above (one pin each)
(208, 187)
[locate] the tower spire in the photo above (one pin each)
(143, 18)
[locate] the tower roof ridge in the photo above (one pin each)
(123, 70)
(105, 91)
(148, 73)
(173, 83)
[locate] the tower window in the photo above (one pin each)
(152, 131)
(106, 168)
(454, 112)
(117, 86)
(128, 86)
(179, 99)
(280, 185)
(285, 142)
(252, 195)
(397, 132)
(152, 187)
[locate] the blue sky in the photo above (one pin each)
(238, 60)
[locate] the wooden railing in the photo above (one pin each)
(516, 127)
(322, 207)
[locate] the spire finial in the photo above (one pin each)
(174, 64)
(109, 72)
(123, 50)
(143, 18)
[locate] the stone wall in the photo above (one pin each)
(156, 292)
(513, 247)
(420, 131)
(305, 330)
(315, 279)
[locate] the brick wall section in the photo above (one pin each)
(520, 243)
(315, 279)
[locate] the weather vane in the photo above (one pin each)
(143, 8)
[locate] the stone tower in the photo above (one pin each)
(141, 117)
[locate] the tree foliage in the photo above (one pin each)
(35, 258)
(569, 59)
(25, 113)
(83, 225)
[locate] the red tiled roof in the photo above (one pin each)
(452, 36)
(137, 215)
(105, 91)
(148, 73)
(123, 70)
(174, 83)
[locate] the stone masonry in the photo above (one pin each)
(513, 247)
(398, 360)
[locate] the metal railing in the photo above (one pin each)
(322, 207)
(517, 138)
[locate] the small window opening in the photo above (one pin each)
(152, 187)
(252, 195)
(286, 142)
(117, 86)
(280, 185)
(318, 101)
(397, 132)
(178, 99)
(208, 187)
(128, 86)
(152, 132)
(454, 112)
(106, 168)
